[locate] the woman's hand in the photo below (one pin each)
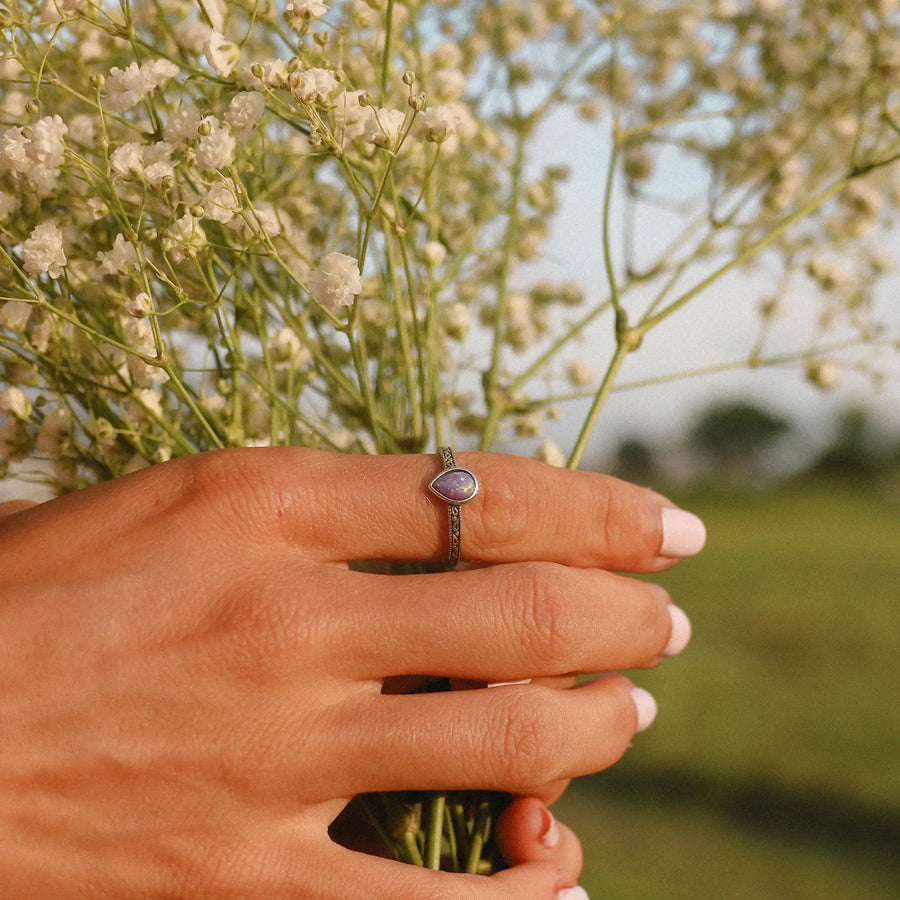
(192, 676)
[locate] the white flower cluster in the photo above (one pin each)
(35, 153)
(336, 280)
(125, 88)
(175, 179)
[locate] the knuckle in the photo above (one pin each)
(230, 476)
(626, 531)
(514, 503)
(527, 749)
(548, 629)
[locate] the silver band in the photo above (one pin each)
(454, 485)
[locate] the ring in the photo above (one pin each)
(455, 485)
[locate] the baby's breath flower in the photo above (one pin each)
(55, 431)
(181, 126)
(55, 11)
(246, 110)
(42, 252)
(312, 85)
(127, 159)
(187, 237)
(14, 314)
(191, 35)
(125, 88)
(823, 374)
(299, 13)
(433, 253)
(307, 7)
(36, 152)
(141, 305)
(221, 54)
(580, 374)
(220, 204)
(13, 402)
(288, 351)
(145, 404)
(121, 258)
(261, 221)
(350, 114)
(448, 84)
(159, 170)
(437, 123)
(550, 452)
(336, 280)
(216, 148)
(382, 126)
(456, 320)
(8, 205)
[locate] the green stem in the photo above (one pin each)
(479, 836)
(434, 837)
(495, 407)
(623, 348)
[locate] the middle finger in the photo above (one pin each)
(505, 622)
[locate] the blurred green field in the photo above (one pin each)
(773, 769)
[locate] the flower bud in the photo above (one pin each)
(823, 374)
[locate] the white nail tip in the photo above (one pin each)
(684, 534)
(573, 893)
(646, 707)
(681, 631)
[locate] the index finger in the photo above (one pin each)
(338, 508)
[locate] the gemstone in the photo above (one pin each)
(455, 485)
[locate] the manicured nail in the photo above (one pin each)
(683, 533)
(681, 631)
(549, 836)
(646, 707)
(572, 893)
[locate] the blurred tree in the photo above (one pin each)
(636, 460)
(732, 438)
(858, 450)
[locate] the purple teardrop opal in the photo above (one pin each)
(455, 485)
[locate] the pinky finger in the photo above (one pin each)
(383, 879)
(528, 832)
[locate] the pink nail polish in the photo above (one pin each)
(646, 707)
(549, 835)
(681, 631)
(684, 534)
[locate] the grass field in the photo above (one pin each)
(773, 769)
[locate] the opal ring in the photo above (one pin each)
(455, 485)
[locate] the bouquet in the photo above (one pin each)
(323, 222)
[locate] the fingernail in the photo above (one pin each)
(684, 534)
(681, 631)
(549, 836)
(572, 893)
(646, 707)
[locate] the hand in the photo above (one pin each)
(193, 677)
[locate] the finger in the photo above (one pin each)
(388, 880)
(503, 623)
(528, 832)
(506, 739)
(338, 507)
(8, 507)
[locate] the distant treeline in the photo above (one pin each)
(741, 443)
